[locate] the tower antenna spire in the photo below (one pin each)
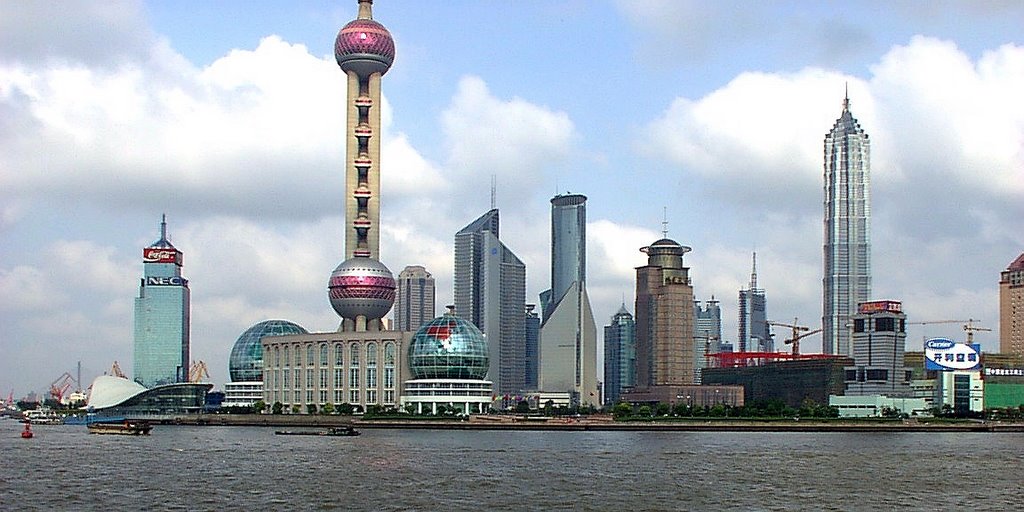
(753, 273)
(163, 227)
(846, 97)
(365, 10)
(494, 191)
(664, 222)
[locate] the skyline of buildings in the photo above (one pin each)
(490, 292)
(161, 347)
(568, 247)
(846, 278)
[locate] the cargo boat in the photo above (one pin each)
(333, 431)
(128, 428)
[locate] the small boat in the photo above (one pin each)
(27, 433)
(333, 431)
(43, 416)
(128, 428)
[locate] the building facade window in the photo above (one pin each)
(339, 356)
(323, 354)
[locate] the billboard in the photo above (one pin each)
(876, 306)
(161, 255)
(166, 281)
(944, 355)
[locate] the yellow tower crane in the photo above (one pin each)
(799, 332)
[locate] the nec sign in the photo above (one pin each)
(167, 281)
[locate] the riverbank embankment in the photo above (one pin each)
(600, 424)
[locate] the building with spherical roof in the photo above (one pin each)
(246, 362)
(245, 365)
(448, 363)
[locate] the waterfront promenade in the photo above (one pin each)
(599, 423)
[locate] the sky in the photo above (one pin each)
(702, 119)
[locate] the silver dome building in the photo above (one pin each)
(245, 365)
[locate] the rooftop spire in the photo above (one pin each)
(365, 10)
(846, 97)
(494, 191)
(163, 227)
(664, 222)
(753, 274)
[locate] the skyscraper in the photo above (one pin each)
(568, 337)
(1011, 308)
(414, 303)
(162, 310)
(619, 355)
(532, 347)
(754, 331)
(707, 333)
(665, 351)
(847, 247)
(490, 292)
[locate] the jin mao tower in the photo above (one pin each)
(847, 247)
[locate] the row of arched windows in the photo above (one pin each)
(285, 355)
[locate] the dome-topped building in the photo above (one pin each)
(246, 362)
(448, 362)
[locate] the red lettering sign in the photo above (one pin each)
(158, 255)
(891, 306)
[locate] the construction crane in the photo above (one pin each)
(115, 370)
(61, 386)
(197, 372)
(799, 332)
(968, 326)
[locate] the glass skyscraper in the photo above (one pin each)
(847, 230)
(490, 292)
(161, 346)
(619, 355)
(754, 331)
(568, 336)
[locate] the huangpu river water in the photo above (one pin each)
(249, 468)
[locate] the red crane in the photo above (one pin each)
(61, 386)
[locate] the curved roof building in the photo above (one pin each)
(121, 398)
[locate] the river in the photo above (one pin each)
(249, 468)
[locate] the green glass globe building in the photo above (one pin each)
(448, 363)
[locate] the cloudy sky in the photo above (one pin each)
(227, 116)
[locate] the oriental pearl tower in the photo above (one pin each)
(361, 288)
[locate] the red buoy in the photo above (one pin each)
(27, 433)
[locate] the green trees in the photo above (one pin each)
(277, 408)
(259, 407)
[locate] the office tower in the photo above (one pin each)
(665, 354)
(1011, 308)
(619, 355)
(532, 347)
(754, 331)
(161, 346)
(879, 338)
(490, 292)
(707, 333)
(414, 303)
(361, 288)
(568, 337)
(847, 247)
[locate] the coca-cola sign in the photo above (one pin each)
(160, 255)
